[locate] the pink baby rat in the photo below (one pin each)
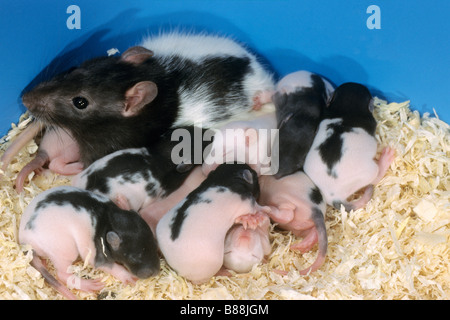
(297, 205)
(246, 247)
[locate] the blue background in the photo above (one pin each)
(407, 59)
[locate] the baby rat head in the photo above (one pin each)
(238, 177)
(132, 243)
(351, 98)
(99, 88)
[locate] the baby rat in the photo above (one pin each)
(299, 100)
(297, 205)
(341, 159)
(65, 223)
(246, 247)
(191, 235)
(154, 211)
(28, 134)
(57, 151)
(113, 103)
(247, 141)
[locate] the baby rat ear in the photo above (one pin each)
(136, 55)
(247, 175)
(113, 239)
(138, 96)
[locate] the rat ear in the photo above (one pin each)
(113, 239)
(136, 55)
(138, 96)
(247, 175)
(331, 99)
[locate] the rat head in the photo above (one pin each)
(106, 87)
(132, 244)
(351, 98)
(243, 249)
(297, 127)
(239, 177)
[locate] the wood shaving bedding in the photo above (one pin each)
(396, 247)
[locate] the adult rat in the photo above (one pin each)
(113, 103)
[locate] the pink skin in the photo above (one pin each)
(357, 168)
(62, 237)
(59, 151)
(261, 98)
(288, 84)
(153, 212)
(246, 247)
(239, 139)
(292, 208)
(386, 158)
(189, 254)
(21, 141)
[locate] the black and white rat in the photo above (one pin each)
(341, 160)
(300, 99)
(173, 79)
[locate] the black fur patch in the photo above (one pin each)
(182, 213)
(225, 177)
(316, 196)
(331, 149)
(298, 116)
(223, 75)
(128, 166)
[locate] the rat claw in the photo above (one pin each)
(252, 220)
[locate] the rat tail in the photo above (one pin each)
(319, 221)
(29, 133)
(51, 280)
(38, 162)
(356, 204)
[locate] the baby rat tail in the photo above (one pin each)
(354, 205)
(29, 133)
(38, 162)
(51, 280)
(319, 221)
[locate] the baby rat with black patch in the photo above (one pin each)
(341, 159)
(191, 235)
(64, 223)
(113, 103)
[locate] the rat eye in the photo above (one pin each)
(80, 102)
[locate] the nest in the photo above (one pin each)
(396, 247)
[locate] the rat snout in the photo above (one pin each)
(147, 272)
(27, 99)
(245, 239)
(33, 101)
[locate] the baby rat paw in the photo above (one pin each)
(252, 220)
(260, 98)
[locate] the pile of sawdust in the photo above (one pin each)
(397, 247)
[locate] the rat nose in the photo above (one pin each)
(147, 272)
(27, 99)
(32, 101)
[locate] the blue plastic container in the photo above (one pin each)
(400, 49)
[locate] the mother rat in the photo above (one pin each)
(112, 103)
